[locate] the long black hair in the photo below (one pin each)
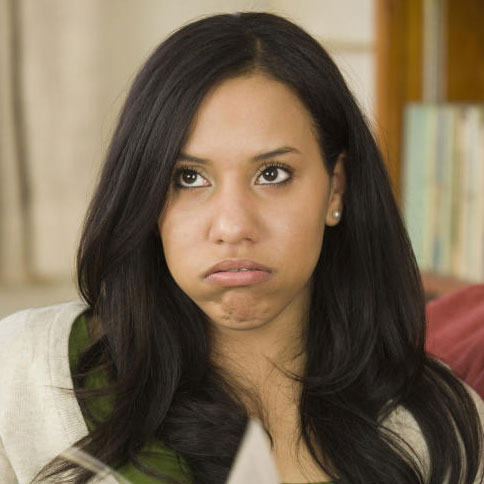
(365, 336)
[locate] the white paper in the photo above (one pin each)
(254, 462)
(103, 473)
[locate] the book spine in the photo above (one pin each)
(446, 163)
(472, 222)
(412, 176)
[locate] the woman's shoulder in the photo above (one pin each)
(33, 348)
(402, 418)
(402, 423)
(38, 418)
(27, 326)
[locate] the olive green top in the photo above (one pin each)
(154, 454)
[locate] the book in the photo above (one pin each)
(444, 196)
(413, 194)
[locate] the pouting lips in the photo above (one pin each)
(237, 270)
(237, 265)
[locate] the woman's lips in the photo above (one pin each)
(242, 278)
(233, 264)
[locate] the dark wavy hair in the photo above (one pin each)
(366, 329)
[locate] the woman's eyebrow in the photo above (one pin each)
(263, 156)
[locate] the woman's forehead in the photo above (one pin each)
(252, 114)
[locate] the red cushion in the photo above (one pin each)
(455, 333)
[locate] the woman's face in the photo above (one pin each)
(243, 203)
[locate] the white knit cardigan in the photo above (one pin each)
(38, 420)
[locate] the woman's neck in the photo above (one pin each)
(256, 354)
(258, 364)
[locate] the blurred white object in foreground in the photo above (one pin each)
(254, 461)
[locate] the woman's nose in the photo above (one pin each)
(233, 217)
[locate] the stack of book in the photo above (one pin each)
(443, 187)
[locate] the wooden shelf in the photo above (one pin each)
(436, 285)
(399, 77)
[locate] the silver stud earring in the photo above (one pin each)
(336, 214)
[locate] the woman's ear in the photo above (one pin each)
(337, 188)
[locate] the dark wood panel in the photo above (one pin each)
(465, 50)
(398, 76)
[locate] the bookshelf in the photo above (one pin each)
(426, 50)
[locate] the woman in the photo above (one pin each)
(243, 255)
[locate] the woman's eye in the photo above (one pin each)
(188, 178)
(275, 174)
(270, 174)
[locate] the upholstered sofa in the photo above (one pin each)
(455, 333)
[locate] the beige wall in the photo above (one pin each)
(75, 61)
(346, 28)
